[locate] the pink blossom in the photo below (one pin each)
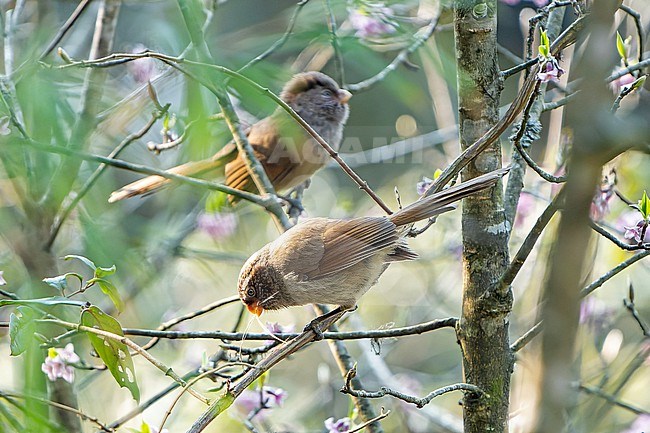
(622, 83)
(631, 223)
(276, 328)
(142, 70)
(255, 400)
(550, 71)
(595, 312)
(217, 225)
(422, 186)
(525, 208)
(57, 362)
(342, 425)
(372, 20)
(2, 279)
(541, 3)
(640, 424)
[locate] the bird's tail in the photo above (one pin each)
(152, 184)
(442, 201)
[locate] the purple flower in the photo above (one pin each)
(57, 362)
(525, 207)
(640, 424)
(255, 400)
(595, 313)
(422, 186)
(3, 282)
(372, 20)
(541, 3)
(142, 70)
(622, 83)
(631, 223)
(339, 426)
(636, 231)
(217, 225)
(4, 125)
(276, 328)
(550, 71)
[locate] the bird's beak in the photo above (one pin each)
(255, 308)
(344, 96)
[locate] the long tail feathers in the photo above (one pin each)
(152, 184)
(441, 201)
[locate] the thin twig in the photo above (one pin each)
(138, 168)
(637, 66)
(80, 414)
(622, 245)
(567, 38)
(279, 42)
(360, 427)
(175, 321)
(122, 339)
(419, 38)
(612, 399)
(639, 27)
(419, 402)
(527, 337)
(175, 62)
(63, 215)
(612, 272)
(529, 242)
(64, 28)
(349, 335)
(156, 397)
(334, 40)
(191, 383)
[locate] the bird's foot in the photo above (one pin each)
(295, 207)
(315, 327)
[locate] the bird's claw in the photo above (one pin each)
(315, 327)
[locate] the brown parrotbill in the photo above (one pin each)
(336, 261)
(287, 152)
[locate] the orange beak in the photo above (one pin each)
(255, 308)
(344, 96)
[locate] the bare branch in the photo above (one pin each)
(419, 402)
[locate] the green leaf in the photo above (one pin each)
(105, 272)
(620, 47)
(111, 291)
(144, 428)
(83, 259)
(54, 300)
(115, 354)
(216, 201)
(60, 282)
(544, 44)
(21, 329)
(639, 82)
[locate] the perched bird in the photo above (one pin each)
(287, 152)
(336, 261)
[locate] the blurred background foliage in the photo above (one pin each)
(167, 266)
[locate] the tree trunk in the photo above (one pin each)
(483, 329)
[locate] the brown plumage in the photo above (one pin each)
(335, 261)
(288, 153)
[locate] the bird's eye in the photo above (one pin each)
(250, 292)
(327, 93)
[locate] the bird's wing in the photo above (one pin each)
(323, 247)
(278, 164)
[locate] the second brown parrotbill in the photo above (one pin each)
(287, 152)
(336, 261)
